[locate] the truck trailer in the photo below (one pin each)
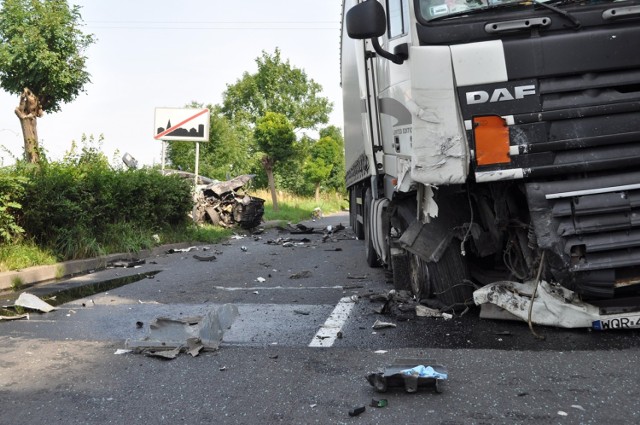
(492, 153)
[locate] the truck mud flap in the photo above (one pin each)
(447, 273)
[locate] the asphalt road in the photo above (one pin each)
(275, 364)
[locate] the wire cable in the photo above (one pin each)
(533, 297)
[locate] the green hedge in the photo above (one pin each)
(75, 209)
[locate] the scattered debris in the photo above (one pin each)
(561, 413)
(176, 250)
(410, 374)
(302, 312)
(32, 302)
(202, 258)
(301, 275)
(578, 407)
(422, 311)
(334, 249)
(120, 351)
(227, 204)
(189, 334)
(356, 411)
(380, 352)
(127, 263)
(16, 317)
(382, 325)
(378, 403)
(223, 368)
(261, 279)
(357, 277)
(165, 354)
(139, 325)
(553, 305)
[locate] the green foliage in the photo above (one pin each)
(42, 48)
(22, 255)
(275, 137)
(276, 87)
(294, 209)
(12, 188)
(230, 151)
(81, 207)
(16, 283)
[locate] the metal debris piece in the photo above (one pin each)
(32, 302)
(302, 312)
(164, 354)
(202, 258)
(422, 311)
(554, 305)
(301, 275)
(382, 325)
(16, 317)
(127, 263)
(120, 351)
(378, 403)
(356, 411)
(175, 250)
(423, 373)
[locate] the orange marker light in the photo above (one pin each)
(491, 135)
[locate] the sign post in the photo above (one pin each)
(183, 124)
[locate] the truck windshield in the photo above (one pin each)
(442, 9)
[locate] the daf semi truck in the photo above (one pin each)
(493, 152)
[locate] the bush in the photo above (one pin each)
(77, 208)
(11, 192)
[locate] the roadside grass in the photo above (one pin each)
(117, 238)
(295, 209)
(23, 255)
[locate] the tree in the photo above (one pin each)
(41, 60)
(276, 87)
(275, 138)
(228, 153)
(325, 155)
(334, 154)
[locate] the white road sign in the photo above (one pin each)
(187, 124)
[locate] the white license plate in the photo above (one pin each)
(617, 322)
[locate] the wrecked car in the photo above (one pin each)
(227, 204)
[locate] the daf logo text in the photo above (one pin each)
(500, 95)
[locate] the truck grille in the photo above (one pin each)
(594, 224)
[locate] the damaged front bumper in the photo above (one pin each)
(553, 305)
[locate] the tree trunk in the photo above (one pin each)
(267, 163)
(28, 112)
(317, 193)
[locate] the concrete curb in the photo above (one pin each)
(55, 272)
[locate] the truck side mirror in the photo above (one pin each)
(366, 20)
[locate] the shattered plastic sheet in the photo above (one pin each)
(167, 336)
(32, 302)
(554, 305)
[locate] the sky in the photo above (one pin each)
(161, 53)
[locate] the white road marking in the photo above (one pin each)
(265, 288)
(327, 334)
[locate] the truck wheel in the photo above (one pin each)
(448, 278)
(369, 250)
(353, 213)
(418, 277)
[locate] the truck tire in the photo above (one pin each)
(449, 278)
(369, 250)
